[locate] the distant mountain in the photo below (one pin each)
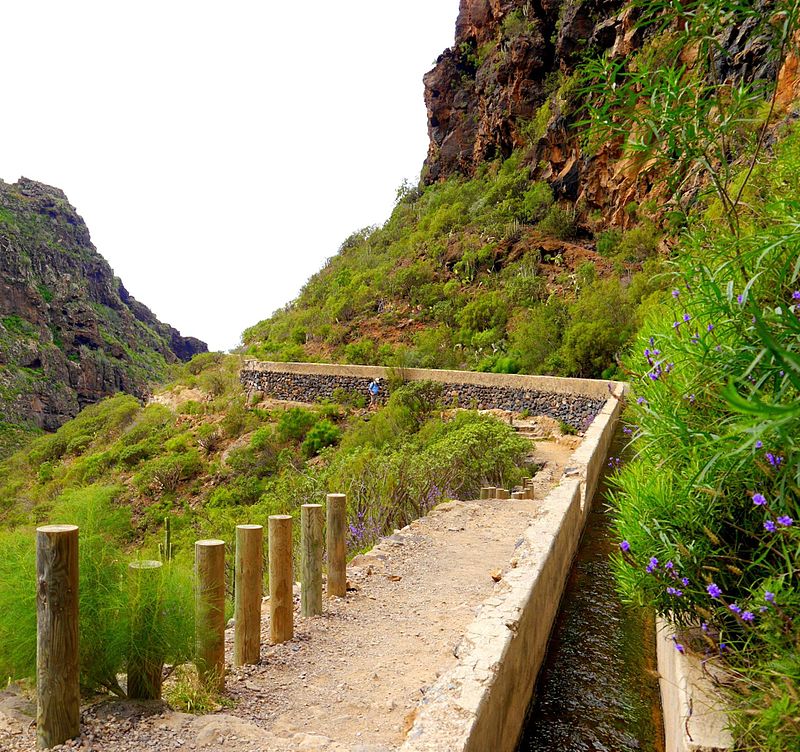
(70, 333)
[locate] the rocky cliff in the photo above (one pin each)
(507, 83)
(70, 333)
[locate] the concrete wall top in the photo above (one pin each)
(596, 388)
(480, 704)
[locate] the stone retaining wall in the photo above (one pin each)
(573, 401)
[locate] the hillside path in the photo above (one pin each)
(352, 678)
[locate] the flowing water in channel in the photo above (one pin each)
(598, 688)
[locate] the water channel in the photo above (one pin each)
(598, 688)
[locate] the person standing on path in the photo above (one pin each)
(374, 390)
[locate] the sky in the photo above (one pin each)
(219, 152)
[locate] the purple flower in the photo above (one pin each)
(796, 295)
(704, 627)
(722, 647)
(676, 324)
(739, 298)
(687, 317)
(736, 609)
(759, 444)
(710, 328)
(762, 609)
(748, 616)
(769, 597)
(669, 565)
(759, 500)
(641, 401)
(714, 591)
(676, 293)
(769, 526)
(785, 520)
(652, 565)
(680, 648)
(625, 546)
(674, 591)
(685, 581)
(774, 459)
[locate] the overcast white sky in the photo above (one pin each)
(219, 152)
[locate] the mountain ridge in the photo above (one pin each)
(70, 332)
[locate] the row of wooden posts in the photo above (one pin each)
(491, 492)
(58, 707)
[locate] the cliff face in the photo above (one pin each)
(70, 333)
(506, 60)
(506, 83)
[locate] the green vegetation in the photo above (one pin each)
(107, 601)
(463, 262)
(708, 510)
(118, 469)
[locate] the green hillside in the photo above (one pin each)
(484, 273)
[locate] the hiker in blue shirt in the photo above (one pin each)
(374, 390)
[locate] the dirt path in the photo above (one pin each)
(351, 678)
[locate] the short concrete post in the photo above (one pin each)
(337, 545)
(518, 495)
(58, 690)
(281, 582)
(501, 493)
(145, 662)
(492, 493)
(247, 599)
(486, 492)
(209, 570)
(311, 559)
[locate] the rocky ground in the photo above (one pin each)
(352, 678)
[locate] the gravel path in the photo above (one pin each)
(352, 678)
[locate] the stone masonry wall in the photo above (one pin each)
(575, 410)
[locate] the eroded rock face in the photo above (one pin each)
(505, 62)
(70, 334)
(508, 59)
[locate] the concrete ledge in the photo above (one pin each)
(549, 384)
(480, 705)
(694, 714)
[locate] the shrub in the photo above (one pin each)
(716, 422)
(294, 424)
(489, 311)
(557, 223)
(639, 243)
(608, 241)
(536, 202)
(164, 474)
(322, 434)
(106, 600)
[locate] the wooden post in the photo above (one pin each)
(58, 714)
(501, 493)
(145, 662)
(518, 495)
(209, 571)
(247, 600)
(281, 582)
(486, 492)
(311, 559)
(492, 493)
(336, 545)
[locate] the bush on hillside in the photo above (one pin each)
(709, 510)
